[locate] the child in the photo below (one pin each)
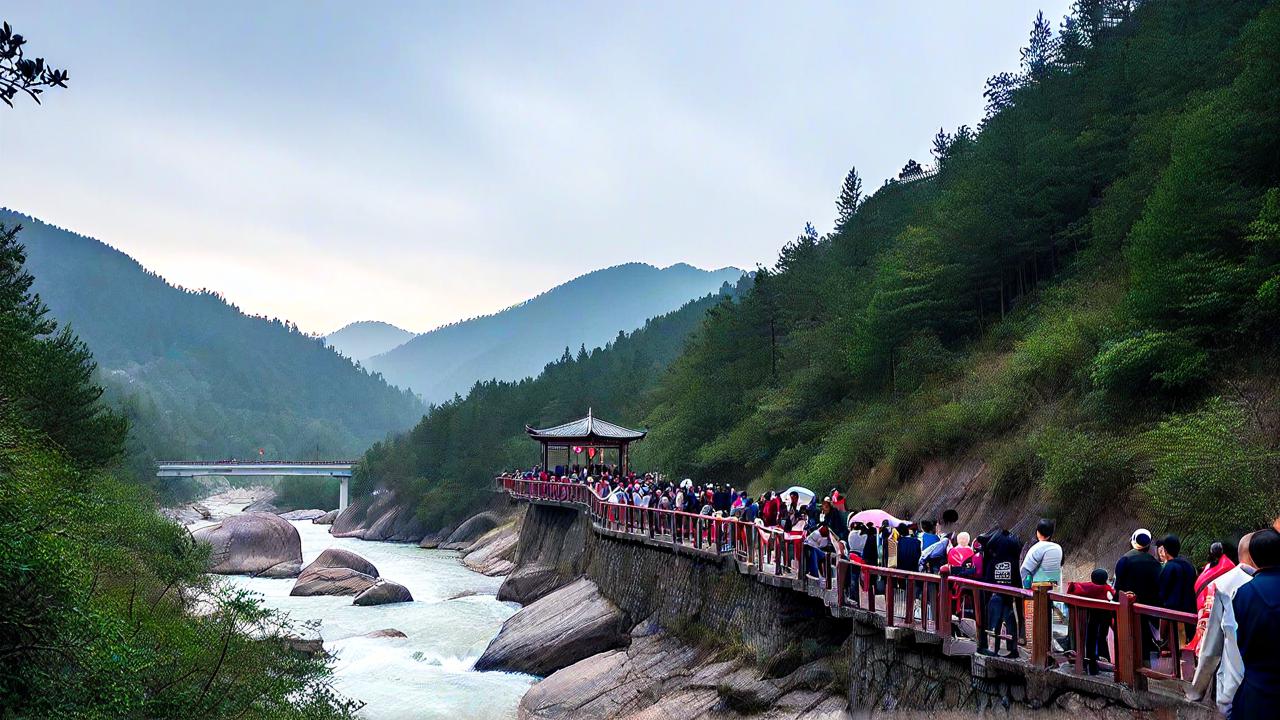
(1097, 622)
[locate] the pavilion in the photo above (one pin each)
(589, 434)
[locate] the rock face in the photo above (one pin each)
(264, 505)
(383, 592)
(339, 558)
(494, 553)
(302, 514)
(432, 540)
(326, 519)
(379, 517)
(471, 530)
(253, 544)
(332, 581)
(570, 624)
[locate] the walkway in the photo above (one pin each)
(924, 608)
(340, 469)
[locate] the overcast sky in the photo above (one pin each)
(332, 162)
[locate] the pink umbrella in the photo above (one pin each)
(876, 518)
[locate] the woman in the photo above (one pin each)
(1217, 566)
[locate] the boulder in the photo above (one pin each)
(432, 540)
(379, 517)
(383, 592)
(339, 558)
(282, 570)
(385, 633)
(251, 543)
(204, 512)
(302, 514)
(495, 552)
(263, 505)
(527, 583)
(326, 519)
(471, 530)
(570, 624)
(332, 581)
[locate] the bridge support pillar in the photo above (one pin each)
(342, 493)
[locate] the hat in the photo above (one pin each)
(1141, 538)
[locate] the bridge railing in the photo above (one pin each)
(936, 604)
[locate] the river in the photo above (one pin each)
(427, 674)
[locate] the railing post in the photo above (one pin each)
(1041, 626)
(1128, 643)
(944, 602)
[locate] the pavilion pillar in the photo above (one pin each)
(344, 488)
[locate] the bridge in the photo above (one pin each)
(340, 469)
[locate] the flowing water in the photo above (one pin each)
(427, 674)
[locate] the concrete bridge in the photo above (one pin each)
(340, 469)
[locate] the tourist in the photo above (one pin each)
(1219, 663)
(857, 540)
(1177, 583)
(1043, 564)
(961, 553)
(816, 545)
(908, 549)
(1257, 628)
(934, 555)
(870, 542)
(1138, 572)
(1000, 560)
(927, 535)
(834, 518)
(771, 510)
(886, 542)
(1097, 622)
(838, 500)
(1219, 564)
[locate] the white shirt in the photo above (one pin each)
(1219, 650)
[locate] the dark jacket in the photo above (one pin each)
(909, 553)
(871, 553)
(1138, 572)
(836, 521)
(1178, 585)
(1000, 557)
(1257, 609)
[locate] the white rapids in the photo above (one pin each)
(427, 674)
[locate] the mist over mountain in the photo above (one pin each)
(363, 339)
(517, 342)
(195, 375)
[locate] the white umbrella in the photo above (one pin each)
(686, 483)
(805, 494)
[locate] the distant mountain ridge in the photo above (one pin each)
(363, 339)
(195, 375)
(517, 342)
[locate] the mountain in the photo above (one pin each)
(366, 338)
(587, 311)
(197, 377)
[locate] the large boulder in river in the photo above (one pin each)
(379, 517)
(332, 581)
(265, 504)
(253, 544)
(382, 593)
(527, 583)
(339, 558)
(471, 530)
(327, 518)
(570, 624)
(302, 514)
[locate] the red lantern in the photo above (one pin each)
(577, 450)
(591, 452)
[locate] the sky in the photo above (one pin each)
(421, 163)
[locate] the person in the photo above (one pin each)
(816, 545)
(1219, 564)
(1138, 572)
(837, 500)
(961, 552)
(870, 549)
(771, 510)
(934, 555)
(1000, 560)
(1043, 564)
(1177, 583)
(1219, 662)
(857, 541)
(908, 549)
(1097, 622)
(928, 536)
(833, 518)
(1257, 630)
(751, 511)
(886, 542)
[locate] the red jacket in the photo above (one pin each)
(1090, 590)
(769, 513)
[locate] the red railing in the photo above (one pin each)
(919, 601)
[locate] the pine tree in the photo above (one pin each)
(941, 146)
(1040, 54)
(849, 200)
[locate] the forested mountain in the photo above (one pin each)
(1085, 296)
(515, 343)
(194, 375)
(366, 338)
(446, 461)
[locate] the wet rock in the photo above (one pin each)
(332, 581)
(385, 633)
(473, 529)
(282, 570)
(302, 514)
(463, 594)
(379, 517)
(431, 541)
(202, 511)
(527, 583)
(326, 519)
(570, 624)
(494, 553)
(250, 544)
(339, 558)
(307, 646)
(383, 592)
(263, 505)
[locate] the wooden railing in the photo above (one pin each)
(923, 602)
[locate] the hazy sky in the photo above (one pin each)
(331, 162)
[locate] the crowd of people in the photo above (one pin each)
(1235, 596)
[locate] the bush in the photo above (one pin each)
(1165, 360)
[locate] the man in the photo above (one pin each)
(1138, 572)
(1177, 583)
(1219, 660)
(1043, 564)
(928, 534)
(999, 564)
(751, 511)
(833, 518)
(1257, 630)
(908, 549)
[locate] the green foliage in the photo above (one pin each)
(1167, 360)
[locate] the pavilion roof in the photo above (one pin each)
(587, 429)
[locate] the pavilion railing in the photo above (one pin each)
(936, 604)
